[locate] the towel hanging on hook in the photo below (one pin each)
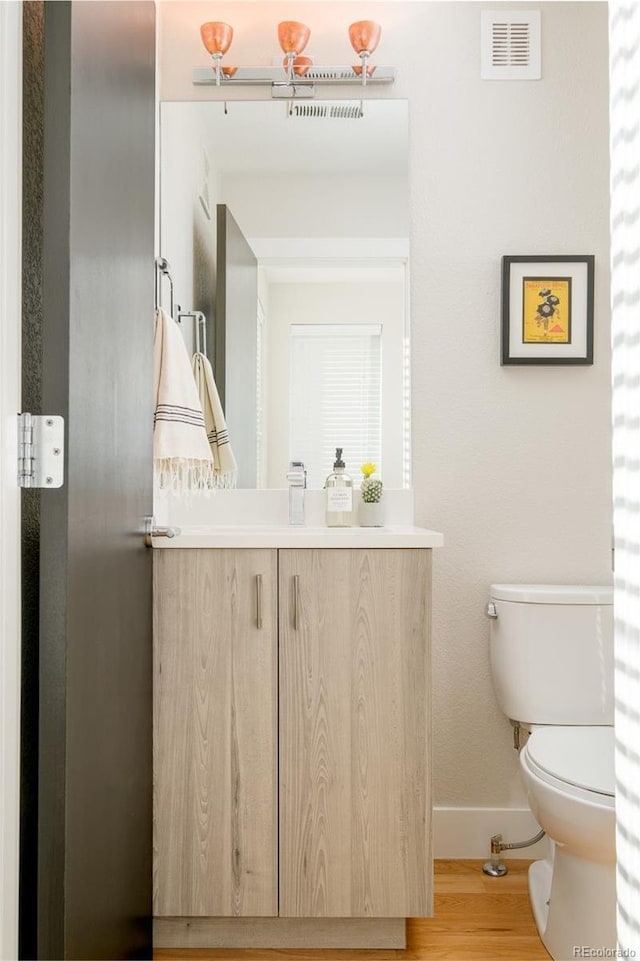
(200, 328)
(183, 460)
(225, 468)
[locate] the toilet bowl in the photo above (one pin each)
(569, 779)
(551, 651)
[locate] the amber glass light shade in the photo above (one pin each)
(300, 65)
(357, 69)
(364, 36)
(293, 36)
(216, 37)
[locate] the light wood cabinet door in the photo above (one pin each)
(215, 733)
(355, 811)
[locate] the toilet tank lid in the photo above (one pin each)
(552, 593)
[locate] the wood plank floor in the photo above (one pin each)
(476, 919)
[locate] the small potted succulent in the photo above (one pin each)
(371, 511)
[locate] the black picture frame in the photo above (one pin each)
(555, 290)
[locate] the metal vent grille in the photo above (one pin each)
(511, 48)
(326, 111)
(329, 73)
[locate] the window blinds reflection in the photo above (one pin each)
(335, 397)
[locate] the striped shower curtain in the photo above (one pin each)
(624, 36)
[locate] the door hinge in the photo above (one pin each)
(40, 450)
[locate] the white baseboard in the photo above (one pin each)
(466, 832)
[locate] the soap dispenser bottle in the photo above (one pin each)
(339, 495)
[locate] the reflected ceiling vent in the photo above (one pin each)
(510, 45)
(326, 111)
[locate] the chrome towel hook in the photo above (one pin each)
(163, 270)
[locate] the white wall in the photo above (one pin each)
(335, 303)
(334, 205)
(264, 400)
(187, 236)
(513, 464)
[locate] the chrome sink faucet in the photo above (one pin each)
(297, 477)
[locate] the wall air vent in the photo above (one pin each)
(326, 111)
(510, 45)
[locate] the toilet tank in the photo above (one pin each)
(551, 652)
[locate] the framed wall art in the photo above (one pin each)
(547, 309)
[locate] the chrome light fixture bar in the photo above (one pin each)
(276, 77)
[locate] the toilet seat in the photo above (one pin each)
(575, 759)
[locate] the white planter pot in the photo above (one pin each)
(371, 515)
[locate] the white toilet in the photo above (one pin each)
(552, 664)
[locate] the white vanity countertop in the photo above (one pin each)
(301, 537)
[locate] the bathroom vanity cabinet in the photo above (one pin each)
(291, 745)
(215, 733)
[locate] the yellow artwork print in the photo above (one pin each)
(546, 310)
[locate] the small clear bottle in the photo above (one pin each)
(339, 495)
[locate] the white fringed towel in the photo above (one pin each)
(182, 458)
(225, 469)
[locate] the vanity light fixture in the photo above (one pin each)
(365, 37)
(217, 37)
(293, 38)
(298, 75)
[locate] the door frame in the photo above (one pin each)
(10, 387)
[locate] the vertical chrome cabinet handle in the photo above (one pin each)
(259, 601)
(296, 599)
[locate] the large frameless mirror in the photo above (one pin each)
(287, 226)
